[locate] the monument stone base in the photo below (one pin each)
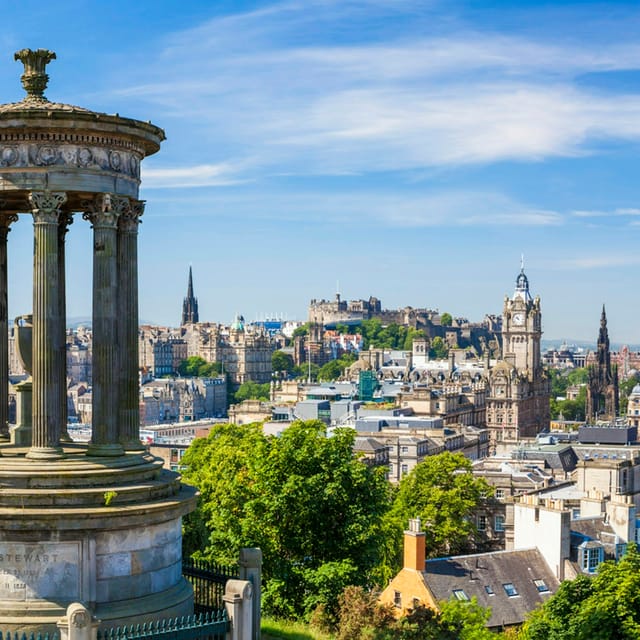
(102, 531)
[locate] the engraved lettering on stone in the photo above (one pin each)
(39, 571)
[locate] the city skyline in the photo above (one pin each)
(410, 150)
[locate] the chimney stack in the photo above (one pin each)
(414, 546)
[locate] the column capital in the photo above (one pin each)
(130, 218)
(6, 220)
(66, 220)
(104, 210)
(46, 206)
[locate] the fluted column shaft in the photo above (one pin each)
(129, 389)
(103, 214)
(46, 320)
(63, 226)
(5, 221)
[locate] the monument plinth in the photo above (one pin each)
(99, 523)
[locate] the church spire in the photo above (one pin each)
(190, 304)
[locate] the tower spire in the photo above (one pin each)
(190, 303)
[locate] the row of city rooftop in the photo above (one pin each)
(500, 384)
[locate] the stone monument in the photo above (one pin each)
(99, 523)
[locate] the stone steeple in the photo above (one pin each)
(602, 389)
(190, 304)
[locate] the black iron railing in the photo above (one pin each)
(206, 626)
(208, 580)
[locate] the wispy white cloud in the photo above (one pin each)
(267, 85)
(204, 175)
(622, 211)
(451, 209)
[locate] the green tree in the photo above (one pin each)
(625, 389)
(302, 330)
(606, 606)
(281, 361)
(304, 371)
(197, 367)
(446, 319)
(334, 369)
(443, 492)
(439, 349)
(313, 508)
(250, 390)
(361, 617)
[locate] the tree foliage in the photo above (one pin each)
(443, 492)
(334, 369)
(302, 330)
(304, 499)
(446, 320)
(250, 390)
(281, 361)
(439, 349)
(606, 606)
(375, 335)
(197, 367)
(362, 618)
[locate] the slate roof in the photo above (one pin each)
(474, 573)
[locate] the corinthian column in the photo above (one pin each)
(46, 320)
(129, 390)
(103, 213)
(63, 227)
(5, 220)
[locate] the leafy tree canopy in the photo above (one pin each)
(606, 606)
(313, 508)
(252, 391)
(446, 320)
(195, 366)
(439, 349)
(333, 369)
(443, 492)
(281, 361)
(302, 330)
(375, 335)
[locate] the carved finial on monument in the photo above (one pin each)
(35, 79)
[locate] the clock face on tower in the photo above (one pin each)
(518, 319)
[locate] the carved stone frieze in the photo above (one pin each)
(46, 205)
(22, 155)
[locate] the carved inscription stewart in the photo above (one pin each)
(39, 571)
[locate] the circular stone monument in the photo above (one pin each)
(97, 523)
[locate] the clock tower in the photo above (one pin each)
(522, 328)
(519, 388)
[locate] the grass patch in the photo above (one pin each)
(288, 630)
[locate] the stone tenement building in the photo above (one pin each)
(243, 350)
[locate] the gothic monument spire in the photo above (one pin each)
(190, 304)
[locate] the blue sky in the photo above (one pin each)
(407, 149)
